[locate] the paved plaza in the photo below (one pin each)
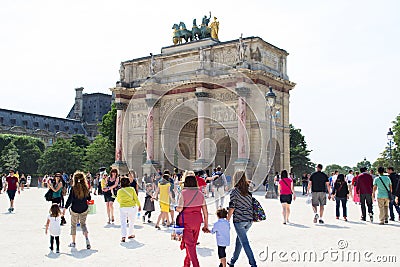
(301, 243)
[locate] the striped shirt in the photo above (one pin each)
(243, 206)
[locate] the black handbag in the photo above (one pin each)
(49, 195)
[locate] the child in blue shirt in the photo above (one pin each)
(222, 229)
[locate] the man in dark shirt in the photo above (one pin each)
(11, 186)
(365, 188)
(394, 178)
(304, 181)
(319, 185)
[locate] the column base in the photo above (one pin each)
(270, 195)
(121, 166)
(150, 166)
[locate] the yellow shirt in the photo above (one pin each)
(127, 197)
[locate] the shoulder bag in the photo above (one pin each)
(390, 195)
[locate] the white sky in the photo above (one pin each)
(343, 57)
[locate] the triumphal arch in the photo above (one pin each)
(203, 103)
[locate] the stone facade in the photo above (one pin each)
(202, 104)
(82, 120)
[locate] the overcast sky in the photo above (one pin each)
(343, 56)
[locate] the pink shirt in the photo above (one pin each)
(286, 189)
(192, 208)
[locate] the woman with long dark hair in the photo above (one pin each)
(77, 199)
(56, 186)
(286, 194)
(109, 192)
(241, 208)
(193, 209)
(341, 195)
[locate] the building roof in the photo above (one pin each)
(33, 122)
(95, 106)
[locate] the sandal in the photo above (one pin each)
(123, 239)
(112, 220)
(72, 245)
(158, 227)
(131, 236)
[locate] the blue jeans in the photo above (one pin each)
(344, 202)
(241, 229)
(397, 208)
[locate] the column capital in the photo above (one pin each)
(242, 91)
(151, 102)
(201, 95)
(121, 105)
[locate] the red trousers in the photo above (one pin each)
(190, 236)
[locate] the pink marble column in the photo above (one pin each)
(121, 107)
(242, 135)
(201, 97)
(150, 130)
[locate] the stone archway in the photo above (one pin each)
(138, 159)
(227, 153)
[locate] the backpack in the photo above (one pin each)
(218, 182)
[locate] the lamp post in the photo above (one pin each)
(390, 143)
(271, 99)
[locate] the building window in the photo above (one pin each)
(13, 121)
(46, 126)
(1, 120)
(66, 128)
(76, 130)
(56, 127)
(25, 123)
(50, 141)
(36, 124)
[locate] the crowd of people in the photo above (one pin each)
(185, 194)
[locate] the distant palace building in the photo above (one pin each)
(83, 118)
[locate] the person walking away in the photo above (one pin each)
(96, 183)
(241, 209)
(129, 206)
(219, 185)
(285, 194)
(22, 181)
(319, 185)
(394, 178)
(304, 182)
(11, 186)
(193, 212)
(165, 195)
(148, 206)
(276, 182)
(356, 196)
(364, 189)
(28, 181)
(349, 181)
(340, 193)
(222, 229)
(77, 199)
(109, 187)
(383, 184)
(54, 224)
(56, 186)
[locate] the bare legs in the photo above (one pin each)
(285, 212)
(163, 216)
(110, 211)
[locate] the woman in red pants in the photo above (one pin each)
(193, 210)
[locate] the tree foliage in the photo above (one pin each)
(107, 127)
(299, 154)
(80, 140)
(9, 157)
(29, 150)
(99, 153)
(64, 155)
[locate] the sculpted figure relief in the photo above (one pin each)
(241, 48)
(122, 72)
(214, 28)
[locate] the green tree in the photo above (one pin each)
(364, 163)
(30, 150)
(299, 154)
(80, 140)
(10, 157)
(99, 153)
(64, 155)
(332, 168)
(107, 127)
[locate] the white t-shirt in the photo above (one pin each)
(334, 178)
(55, 225)
(349, 178)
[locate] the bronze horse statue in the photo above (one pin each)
(180, 32)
